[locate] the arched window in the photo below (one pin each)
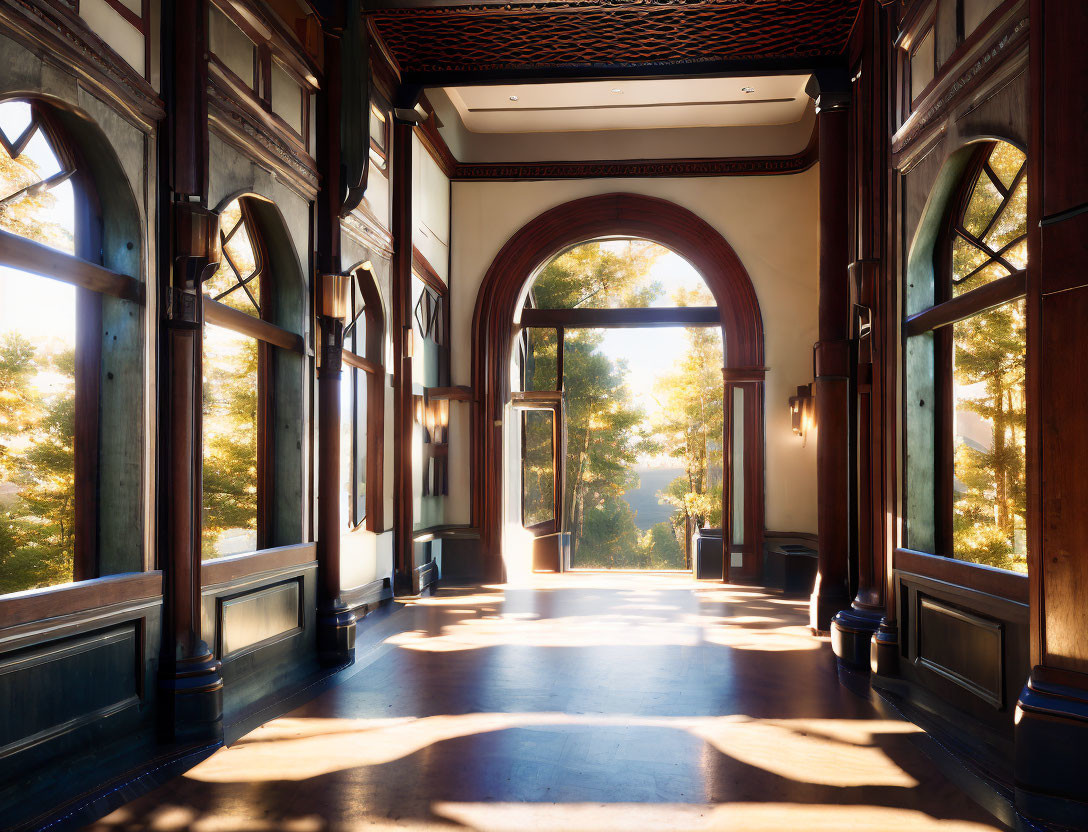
(246, 347)
(60, 412)
(363, 404)
(977, 328)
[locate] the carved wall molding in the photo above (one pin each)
(640, 168)
(60, 37)
(367, 232)
(976, 69)
(236, 126)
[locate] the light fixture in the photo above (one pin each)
(333, 298)
(803, 412)
(616, 91)
(748, 90)
(513, 98)
(409, 342)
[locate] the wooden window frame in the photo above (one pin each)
(380, 149)
(947, 311)
(267, 335)
(91, 280)
(367, 368)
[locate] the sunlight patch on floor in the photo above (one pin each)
(824, 752)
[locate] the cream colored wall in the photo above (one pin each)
(771, 222)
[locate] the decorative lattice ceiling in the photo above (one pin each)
(612, 32)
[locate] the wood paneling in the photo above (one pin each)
(997, 582)
(252, 619)
(224, 570)
(962, 647)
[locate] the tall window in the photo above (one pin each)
(362, 402)
(978, 330)
(54, 403)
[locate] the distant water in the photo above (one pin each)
(644, 499)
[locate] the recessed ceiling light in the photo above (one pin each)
(617, 91)
(748, 90)
(513, 98)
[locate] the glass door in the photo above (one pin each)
(540, 418)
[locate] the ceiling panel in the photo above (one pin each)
(641, 104)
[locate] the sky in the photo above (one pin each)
(651, 353)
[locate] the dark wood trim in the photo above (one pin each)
(460, 393)
(355, 360)
(1011, 586)
(739, 375)
(51, 602)
(367, 595)
(426, 272)
(29, 256)
(605, 318)
(225, 316)
(985, 297)
(641, 168)
(138, 22)
(434, 144)
(223, 570)
(963, 75)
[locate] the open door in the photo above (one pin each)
(541, 417)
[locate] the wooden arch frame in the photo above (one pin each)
(493, 330)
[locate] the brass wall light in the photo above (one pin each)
(803, 412)
(333, 297)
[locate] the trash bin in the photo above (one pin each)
(791, 567)
(706, 551)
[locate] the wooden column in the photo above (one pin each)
(401, 315)
(1052, 712)
(852, 628)
(833, 365)
(335, 622)
(191, 704)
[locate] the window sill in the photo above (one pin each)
(1012, 586)
(224, 570)
(50, 602)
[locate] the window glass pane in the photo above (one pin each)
(537, 467)
(966, 257)
(230, 443)
(985, 200)
(988, 430)
(541, 359)
(236, 282)
(287, 97)
(38, 199)
(1006, 160)
(1018, 254)
(921, 65)
(1013, 221)
(37, 423)
(613, 274)
(346, 446)
(990, 272)
(361, 382)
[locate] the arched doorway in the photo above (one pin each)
(495, 323)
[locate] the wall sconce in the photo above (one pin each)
(803, 412)
(333, 298)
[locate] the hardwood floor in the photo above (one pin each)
(581, 702)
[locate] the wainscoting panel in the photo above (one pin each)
(962, 647)
(252, 619)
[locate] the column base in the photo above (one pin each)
(823, 607)
(336, 635)
(1052, 752)
(851, 632)
(193, 700)
(884, 649)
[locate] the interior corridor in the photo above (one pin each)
(581, 702)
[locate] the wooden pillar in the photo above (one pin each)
(1052, 712)
(872, 311)
(335, 622)
(833, 364)
(401, 314)
(191, 704)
